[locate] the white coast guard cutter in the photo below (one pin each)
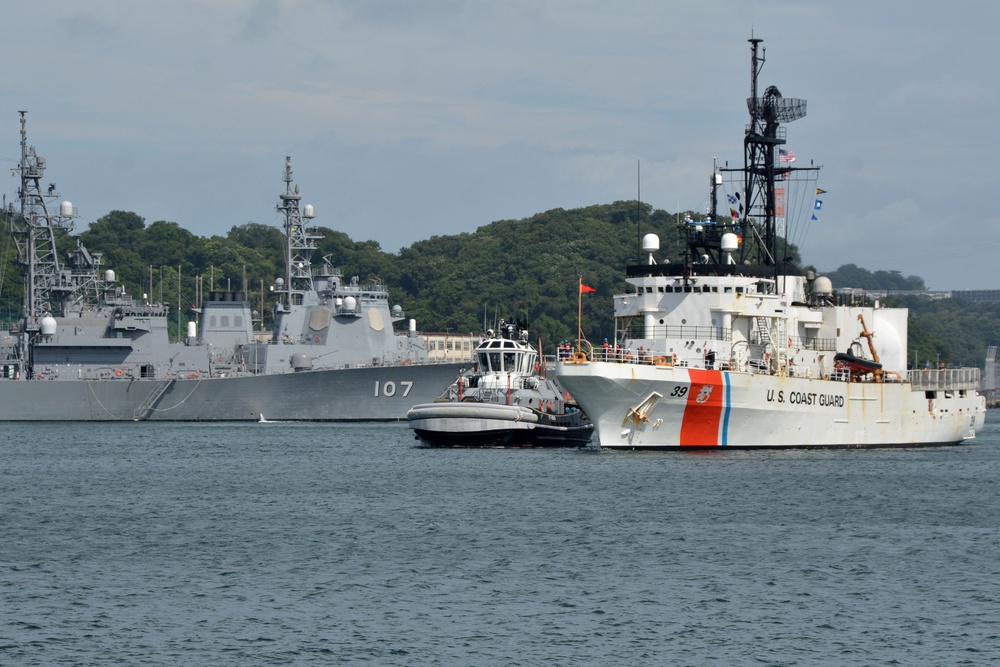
(736, 347)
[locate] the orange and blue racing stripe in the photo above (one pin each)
(705, 422)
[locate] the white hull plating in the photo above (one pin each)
(639, 406)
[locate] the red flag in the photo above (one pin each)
(584, 289)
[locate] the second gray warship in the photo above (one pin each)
(87, 350)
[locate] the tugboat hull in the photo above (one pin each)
(486, 425)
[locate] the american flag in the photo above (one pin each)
(786, 156)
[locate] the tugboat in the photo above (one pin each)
(745, 350)
(502, 401)
(87, 350)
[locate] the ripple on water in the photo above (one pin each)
(235, 544)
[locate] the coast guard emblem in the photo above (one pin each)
(706, 391)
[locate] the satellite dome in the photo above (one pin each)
(650, 243)
(730, 242)
(48, 325)
(350, 303)
(823, 285)
(397, 310)
(308, 211)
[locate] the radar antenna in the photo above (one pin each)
(35, 227)
(299, 243)
(764, 136)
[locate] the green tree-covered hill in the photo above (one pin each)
(528, 268)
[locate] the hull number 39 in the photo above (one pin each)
(390, 388)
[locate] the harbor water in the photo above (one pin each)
(297, 544)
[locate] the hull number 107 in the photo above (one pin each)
(390, 388)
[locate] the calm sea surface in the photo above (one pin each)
(290, 544)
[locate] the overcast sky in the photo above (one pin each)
(407, 119)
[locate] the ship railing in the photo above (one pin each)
(816, 344)
(688, 332)
(495, 395)
(800, 343)
(935, 379)
(635, 356)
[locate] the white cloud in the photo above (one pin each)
(409, 119)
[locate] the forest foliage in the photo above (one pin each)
(529, 269)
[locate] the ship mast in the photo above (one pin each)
(299, 243)
(764, 135)
(35, 230)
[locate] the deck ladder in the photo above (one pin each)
(143, 411)
(764, 329)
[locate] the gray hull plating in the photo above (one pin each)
(330, 395)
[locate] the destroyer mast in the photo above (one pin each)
(49, 286)
(299, 245)
(35, 229)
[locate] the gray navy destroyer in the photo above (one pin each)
(87, 350)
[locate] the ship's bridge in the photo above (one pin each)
(499, 355)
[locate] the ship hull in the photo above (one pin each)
(357, 394)
(666, 407)
(489, 425)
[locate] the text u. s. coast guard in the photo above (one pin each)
(805, 398)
